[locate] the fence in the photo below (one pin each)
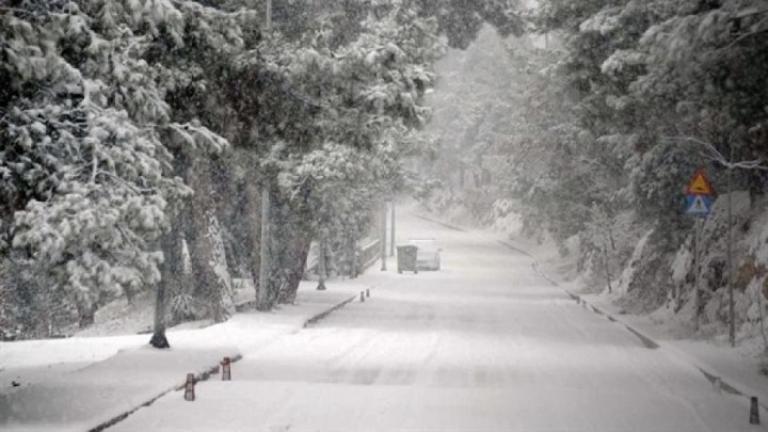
(367, 252)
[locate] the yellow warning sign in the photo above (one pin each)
(700, 185)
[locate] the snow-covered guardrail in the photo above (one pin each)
(367, 253)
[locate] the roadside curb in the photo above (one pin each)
(200, 376)
(439, 222)
(528, 254)
(327, 312)
(206, 373)
(727, 385)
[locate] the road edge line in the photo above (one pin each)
(318, 317)
(207, 372)
(203, 375)
(710, 373)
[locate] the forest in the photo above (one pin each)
(143, 140)
(589, 130)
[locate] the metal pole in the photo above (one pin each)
(352, 256)
(696, 293)
(392, 232)
(731, 309)
(262, 297)
(384, 236)
(269, 15)
(261, 301)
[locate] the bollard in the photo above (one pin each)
(362, 297)
(718, 385)
(754, 411)
(226, 371)
(367, 292)
(189, 388)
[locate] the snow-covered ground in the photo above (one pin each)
(80, 382)
(739, 366)
(485, 344)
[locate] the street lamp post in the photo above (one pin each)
(731, 308)
(269, 15)
(392, 231)
(384, 236)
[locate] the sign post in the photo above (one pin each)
(699, 197)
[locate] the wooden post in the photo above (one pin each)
(226, 369)
(754, 411)
(189, 388)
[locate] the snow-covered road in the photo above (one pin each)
(483, 345)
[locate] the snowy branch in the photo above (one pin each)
(711, 153)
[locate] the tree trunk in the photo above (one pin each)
(251, 225)
(264, 299)
(322, 262)
(290, 239)
(229, 201)
(208, 270)
(170, 272)
(86, 314)
(292, 263)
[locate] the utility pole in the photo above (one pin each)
(269, 15)
(696, 265)
(352, 250)
(731, 309)
(262, 300)
(392, 232)
(384, 236)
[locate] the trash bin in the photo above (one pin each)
(406, 258)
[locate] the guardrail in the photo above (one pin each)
(367, 253)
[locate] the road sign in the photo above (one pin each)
(700, 185)
(698, 205)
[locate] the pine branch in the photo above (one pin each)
(711, 153)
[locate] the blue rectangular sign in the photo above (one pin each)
(698, 205)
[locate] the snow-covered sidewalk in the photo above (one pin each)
(82, 383)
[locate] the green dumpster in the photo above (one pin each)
(406, 258)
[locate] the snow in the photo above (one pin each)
(80, 382)
(486, 344)
(681, 265)
(627, 274)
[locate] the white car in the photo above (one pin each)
(428, 253)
